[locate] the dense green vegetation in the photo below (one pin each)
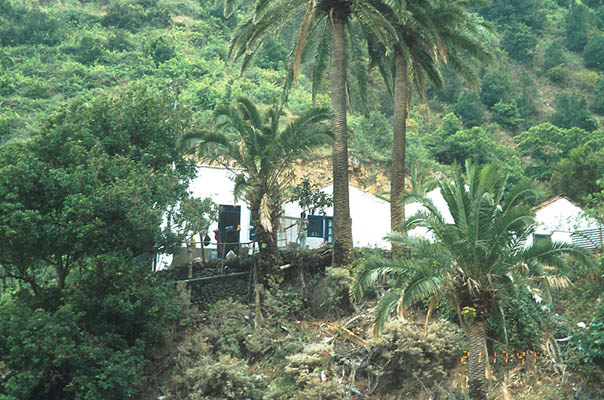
(547, 69)
(97, 97)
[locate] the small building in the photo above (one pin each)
(369, 214)
(561, 220)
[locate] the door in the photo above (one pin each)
(229, 225)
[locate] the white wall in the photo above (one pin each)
(562, 216)
(217, 184)
(439, 203)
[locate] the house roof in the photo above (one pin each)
(553, 200)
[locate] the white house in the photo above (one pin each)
(441, 205)
(233, 223)
(370, 217)
(561, 220)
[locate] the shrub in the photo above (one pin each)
(525, 320)
(593, 54)
(124, 16)
(519, 41)
(371, 136)
(558, 74)
(496, 86)
(160, 50)
(553, 56)
(330, 297)
(229, 329)
(507, 115)
(597, 100)
(305, 370)
(198, 374)
(402, 356)
(576, 26)
(27, 25)
(586, 79)
(571, 111)
(470, 109)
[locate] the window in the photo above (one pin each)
(315, 226)
(329, 229)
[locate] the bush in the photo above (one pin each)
(304, 370)
(330, 297)
(198, 374)
(597, 100)
(371, 136)
(229, 329)
(553, 56)
(496, 86)
(124, 16)
(525, 320)
(519, 41)
(470, 109)
(571, 111)
(402, 356)
(593, 55)
(160, 50)
(507, 115)
(558, 74)
(89, 50)
(88, 342)
(27, 25)
(576, 26)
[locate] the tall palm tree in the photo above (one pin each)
(325, 21)
(264, 150)
(429, 33)
(473, 262)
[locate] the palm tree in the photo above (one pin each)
(264, 150)
(428, 33)
(325, 21)
(472, 262)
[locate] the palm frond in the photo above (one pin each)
(387, 304)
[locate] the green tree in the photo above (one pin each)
(528, 12)
(593, 54)
(324, 21)
(553, 56)
(81, 207)
(572, 111)
(507, 115)
(264, 150)
(576, 176)
(95, 181)
(470, 109)
(596, 98)
(545, 145)
(577, 24)
(467, 144)
(496, 86)
(519, 41)
(428, 33)
(475, 260)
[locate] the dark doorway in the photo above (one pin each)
(229, 221)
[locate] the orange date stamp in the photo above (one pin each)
(504, 357)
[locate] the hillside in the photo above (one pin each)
(547, 68)
(100, 103)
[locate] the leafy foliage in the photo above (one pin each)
(546, 145)
(593, 53)
(90, 343)
(311, 198)
(572, 111)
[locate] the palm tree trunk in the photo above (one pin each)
(341, 215)
(478, 360)
(399, 131)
